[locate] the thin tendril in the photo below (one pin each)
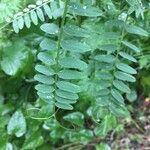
(37, 118)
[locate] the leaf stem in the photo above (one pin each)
(69, 145)
(61, 29)
(59, 41)
(60, 37)
(119, 47)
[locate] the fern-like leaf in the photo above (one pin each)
(37, 12)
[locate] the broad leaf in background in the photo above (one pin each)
(17, 124)
(76, 118)
(15, 58)
(84, 136)
(33, 141)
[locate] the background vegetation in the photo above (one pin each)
(74, 74)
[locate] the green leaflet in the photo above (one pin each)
(132, 96)
(50, 28)
(21, 22)
(121, 86)
(40, 14)
(71, 74)
(126, 68)
(15, 26)
(105, 75)
(46, 96)
(124, 76)
(76, 31)
(27, 21)
(43, 88)
(82, 10)
(103, 100)
(71, 62)
(105, 58)
(64, 100)
(119, 110)
(17, 124)
(75, 46)
(44, 70)
(44, 79)
(127, 56)
(48, 44)
(64, 106)
(46, 58)
(103, 92)
(105, 66)
(66, 95)
(34, 17)
(108, 47)
(116, 94)
(48, 11)
(110, 35)
(57, 11)
(137, 30)
(104, 83)
(67, 86)
(131, 46)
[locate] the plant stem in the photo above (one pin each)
(119, 47)
(69, 145)
(61, 29)
(60, 38)
(59, 41)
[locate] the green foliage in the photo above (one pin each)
(17, 124)
(33, 141)
(83, 58)
(103, 146)
(37, 12)
(22, 56)
(7, 8)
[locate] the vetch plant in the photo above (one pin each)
(70, 49)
